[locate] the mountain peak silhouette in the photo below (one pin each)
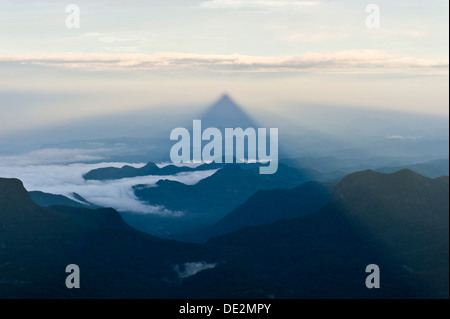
(226, 113)
(225, 98)
(14, 197)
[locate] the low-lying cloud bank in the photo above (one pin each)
(118, 194)
(347, 61)
(53, 156)
(190, 269)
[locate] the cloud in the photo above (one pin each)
(118, 194)
(113, 37)
(401, 137)
(349, 61)
(340, 33)
(315, 36)
(119, 41)
(256, 4)
(192, 268)
(53, 156)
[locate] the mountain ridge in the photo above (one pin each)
(371, 218)
(409, 240)
(126, 171)
(116, 260)
(265, 207)
(46, 200)
(211, 198)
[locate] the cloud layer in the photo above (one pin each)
(192, 268)
(349, 61)
(238, 4)
(53, 156)
(118, 194)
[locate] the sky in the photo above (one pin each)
(136, 54)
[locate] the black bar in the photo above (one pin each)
(224, 308)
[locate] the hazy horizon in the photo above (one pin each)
(272, 57)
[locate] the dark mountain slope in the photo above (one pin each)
(47, 200)
(115, 260)
(210, 199)
(397, 221)
(268, 206)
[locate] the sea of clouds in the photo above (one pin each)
(65, 179)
